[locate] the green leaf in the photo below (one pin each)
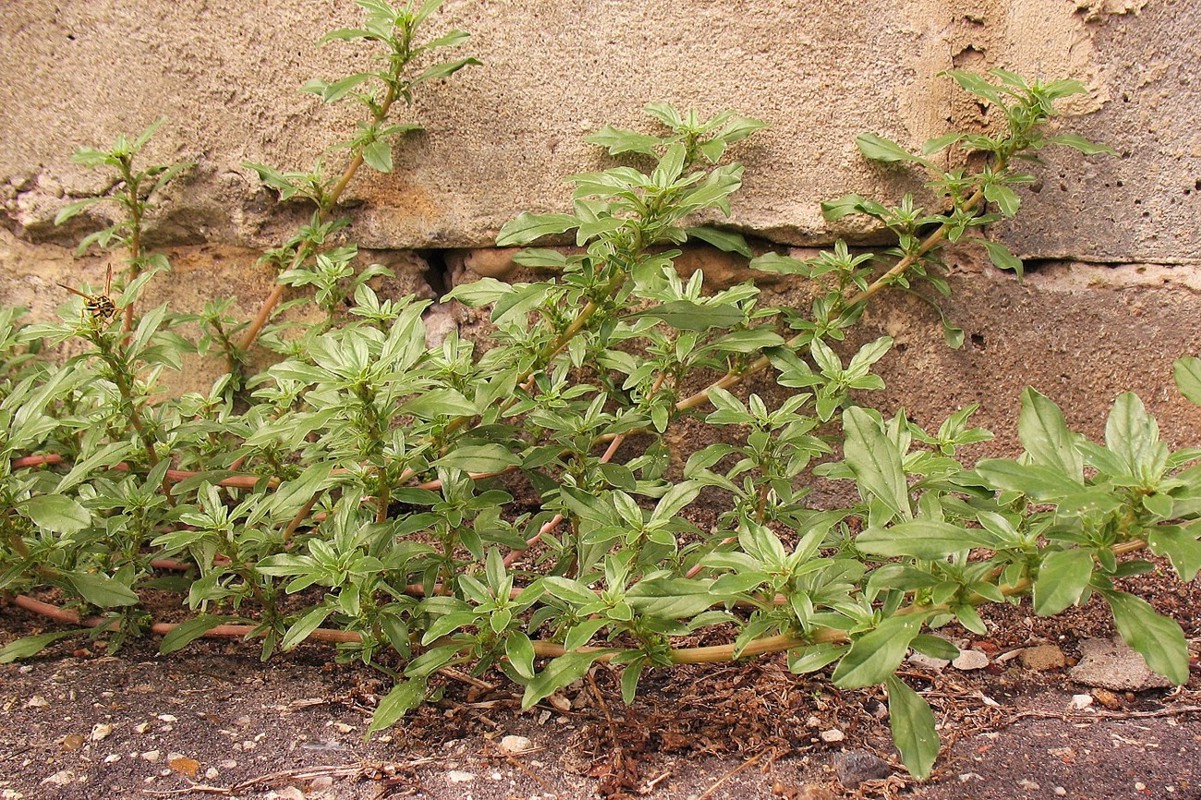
(558, 673)
(921, 538)
(913, 730)
(520, 652)
(187, 632)
(56, 512)
(886, 151)
(619, 140)
(403, 698)
(570, 590)
(1045, 435)
(303, 627)
(1001, 257)
(378, 155)
(685, 315)
(935, 647)
(1188, 377)
(439, 403)
(1181, 547)
(780, 265)
(1033, 480)
(727, 241)
(1006, 199)
(101, 590)
(1133, 436)
(28, 646)
(876, 462)
(748, 341)
(814, 657)
(73, 209)
(529, 227)
(444, 70)
(876, 655)
(629, 679)
(479, 458)
(1078, 142)
(1157, 638)
(1062, 579)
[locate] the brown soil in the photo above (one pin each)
(215, 721)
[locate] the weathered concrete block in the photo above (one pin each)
(500, 138)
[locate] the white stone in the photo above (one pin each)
(101, 731)
(970, 660)
(458, 776)
(60, 778)
(832, 735)
(515, 744)
(1081, 701)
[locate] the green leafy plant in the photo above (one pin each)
(426, 510)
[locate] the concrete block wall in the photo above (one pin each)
(1113, 243)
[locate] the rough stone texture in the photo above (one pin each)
(500, 138)
(1043, 657)
(1111, 664)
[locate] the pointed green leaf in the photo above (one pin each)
(1181, 547)
(303, 627)
(439, 403)
(101, 590)
(685, 315)
(1001, 257)
(1006, 199)
(529, 227)
(403, 698)
(1188, 377)
(558, 673)
(1045, 435)
(876, 655)
(29, 646)
(1133, 436)
(186, 632)
(56, 512)
(1062, 579)
(1078, 142)
(727, 241)
(479, 458)
(877, 148)
(876, 462)
(913, 730)
(921, 538)
(378, 155)
(1158, 639)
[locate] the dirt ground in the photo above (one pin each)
(214, 721)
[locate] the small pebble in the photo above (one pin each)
(457, 776)
(152, 755)
(515, 744)
(37, 701)
(970, 660)
(60, 778)
(112, 758)
(141, 727)
(831, 736)
(1059, 791)
(1081, 701)
(211, 772)
(168, 718)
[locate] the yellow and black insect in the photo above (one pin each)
(100, 306)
